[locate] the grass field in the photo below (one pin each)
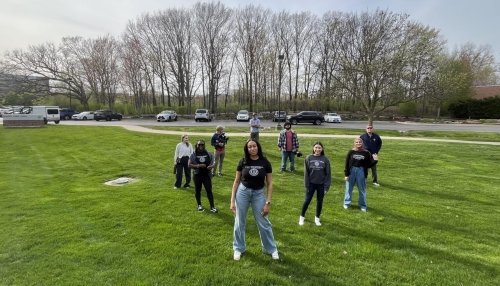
(434, 220)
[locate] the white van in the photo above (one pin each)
(48, 113)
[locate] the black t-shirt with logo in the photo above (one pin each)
(201, 158)
(253, 172)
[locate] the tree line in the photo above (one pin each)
(252, 58)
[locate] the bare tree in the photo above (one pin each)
(250, 39)
(374, 58)
(481, 62)
(213, 36)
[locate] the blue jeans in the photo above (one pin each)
(357, 177)
(245, 198)
(287, 155)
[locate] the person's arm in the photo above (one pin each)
(379, 145)
(347, 168)
(306, 172)
(176, 154)
(328, 174)
(269, 183)
(236, 183)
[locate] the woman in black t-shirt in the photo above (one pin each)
(253, 173)
(357, 162)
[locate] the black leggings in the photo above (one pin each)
(206, 181)
(320, 194)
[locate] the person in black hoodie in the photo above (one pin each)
(357, 162)
(202, 163)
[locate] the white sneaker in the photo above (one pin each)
(346, 206)
(376, 184)
(237, 255)
(275, 255)
(301, 220)
(316, 221)
(363, 210)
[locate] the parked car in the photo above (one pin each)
(202, 115)
(243, 115)
(85, 115)
(313, 117)
(106, 114)
(333, 117)
(279, 116)
(66, 113)
(166, 115)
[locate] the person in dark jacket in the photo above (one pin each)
(219, 141)
(372, 142)
(357, 162)
(202, 163)
(317, 178)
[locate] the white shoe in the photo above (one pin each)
(237, 255)
(316, 221)
(275, 255)
(376, 184)
(363, 210)
(301, 220)
(346, 206)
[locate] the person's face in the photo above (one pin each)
(185, 139)
(252, 148)
(287, 127)
(369, 129)
(317, 149)
(201, 147)
(358, 143)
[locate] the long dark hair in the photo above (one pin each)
(322, 148)
(247, 154)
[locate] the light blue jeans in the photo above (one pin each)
(287, 155)
(357, 177)
(245, 198)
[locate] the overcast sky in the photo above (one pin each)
(32, 22)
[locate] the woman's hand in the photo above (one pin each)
(233, 207)
(265, 210)
(346, 178)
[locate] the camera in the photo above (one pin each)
(223, 138)
(298, 153)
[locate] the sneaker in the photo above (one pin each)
(376, 184)
(214, 210)
(316, 221)
(187, 186)
(175, 188)
(301, 220)
(275, 255)
(346, 206)
(200, 208)
(363, 210)
(237, 255)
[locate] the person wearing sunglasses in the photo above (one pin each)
(373, 143)
(202, 164)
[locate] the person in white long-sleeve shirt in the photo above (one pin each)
(181, 157)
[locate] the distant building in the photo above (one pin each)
(10, 83)
(485, 91)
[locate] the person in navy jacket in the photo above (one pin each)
(372, 142)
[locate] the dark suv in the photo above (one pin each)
(66, 113)
(106, 114)
(313, 117)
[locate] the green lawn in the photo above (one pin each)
(434, 220)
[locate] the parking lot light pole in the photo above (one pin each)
(280, 58)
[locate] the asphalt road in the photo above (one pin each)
(379, 125)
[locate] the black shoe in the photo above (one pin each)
(187, 186)
(200, 208)
(214, 210)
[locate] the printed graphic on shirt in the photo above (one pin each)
(359, 157)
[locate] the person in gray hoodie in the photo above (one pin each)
(317, 178)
